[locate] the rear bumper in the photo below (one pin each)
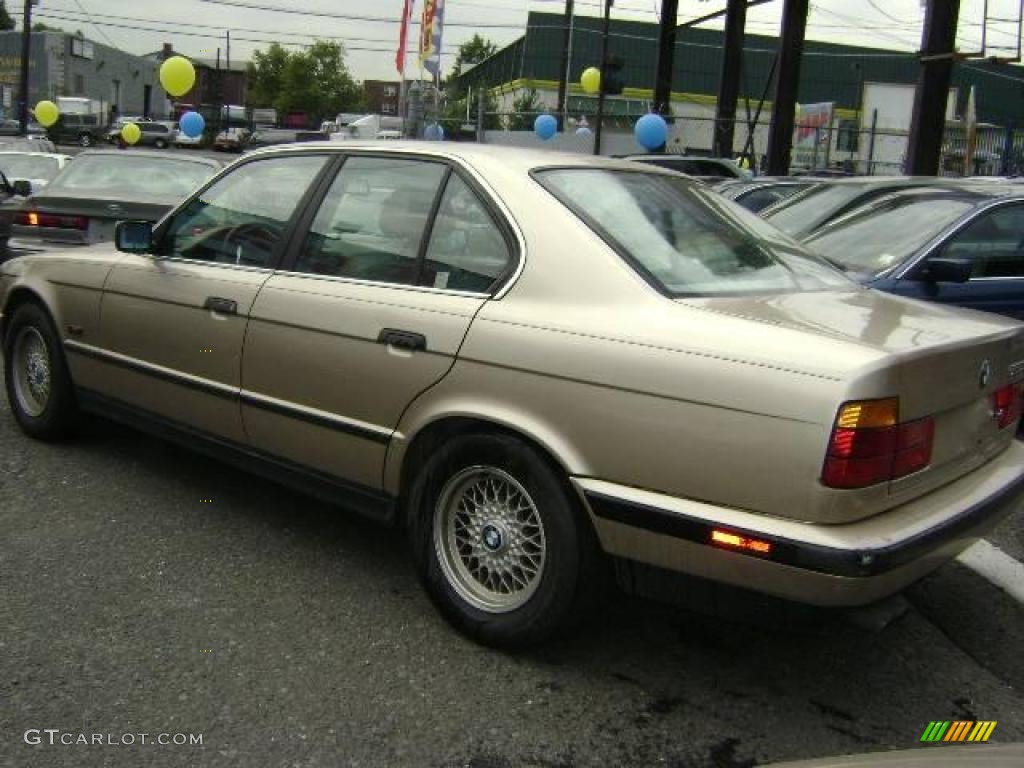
(850, 564)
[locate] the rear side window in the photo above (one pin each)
(994, 243)
(467, 251)
(686, 239)
(372, 223)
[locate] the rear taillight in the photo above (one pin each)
(36, 219)
(868, 445)
(1007, 404)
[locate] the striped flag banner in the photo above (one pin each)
(959, 730)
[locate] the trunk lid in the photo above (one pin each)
(940, 362)
(102, 215)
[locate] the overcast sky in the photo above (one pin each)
(196, 27)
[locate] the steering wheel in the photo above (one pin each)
(256, 232)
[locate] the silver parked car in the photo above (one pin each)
(531, 361)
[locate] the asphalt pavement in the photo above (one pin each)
(147, 590)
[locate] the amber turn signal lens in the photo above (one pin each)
(869, 413)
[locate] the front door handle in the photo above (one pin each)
(413, 342)
(221, 306)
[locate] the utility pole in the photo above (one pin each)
(791, 48)
(928, 124)
(26, 54)
(604, 79)
(666, 57)
(563, 79)
(729, 83)
(227, 71)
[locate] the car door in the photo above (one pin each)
(374, 305)
(993, 242)
(172, 324)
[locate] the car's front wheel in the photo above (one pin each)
(160, 144)
(38, 384)
(85, 140)
(500, 543)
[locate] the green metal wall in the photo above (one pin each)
(830, 72)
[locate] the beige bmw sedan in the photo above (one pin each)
(535, 363)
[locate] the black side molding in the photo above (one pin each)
(814, 557)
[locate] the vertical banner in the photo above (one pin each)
(431, 28)
(403, 36)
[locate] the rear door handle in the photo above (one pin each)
(221, 306)
(413, 342)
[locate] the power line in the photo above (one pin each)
(352, 16)
(94, 24)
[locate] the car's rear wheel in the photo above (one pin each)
(38, 384)
(85, 140)
(160, 144)
(500, 543)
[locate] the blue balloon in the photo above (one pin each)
(651, 131)
(192, 124)
(434, 132)
(545, 126)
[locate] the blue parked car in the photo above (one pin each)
(962, 245)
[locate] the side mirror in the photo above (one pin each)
(21, 187)
(133, 236)
(949, 270)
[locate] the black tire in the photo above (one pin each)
(572, 565)
(84, 140)
(57, 418)
(160, 144)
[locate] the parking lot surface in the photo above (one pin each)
(149, 590)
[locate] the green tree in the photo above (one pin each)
(525, 109)
(471, 52)
(315, 80)
(6, 22)
(266, 75)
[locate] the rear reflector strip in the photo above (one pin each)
(735, 541)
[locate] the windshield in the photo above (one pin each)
(127, 175)
(876, 238)
(29, 166)
(805, 211)
(686, 239)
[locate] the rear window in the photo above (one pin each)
(124, 175)
(875, 238)
(686, 239)
(28, 166)
(805, 211)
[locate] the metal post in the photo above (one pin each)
(666, 57)
(481, 104)
(563, 79)
(871, 142)
(791, 47)
(1004, 166)
(751, 147)
(729, 82)
(928, 123)
(604, 64)
(26, 53)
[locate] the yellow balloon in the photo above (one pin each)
(591, 80)
(130, 133)
(46, 113)
(177, 76)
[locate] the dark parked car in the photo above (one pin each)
(804, 212)
(954, 246)
(757, 194)
(710, 170)
(84, 202)
(84, 130)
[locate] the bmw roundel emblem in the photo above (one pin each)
(984, 374)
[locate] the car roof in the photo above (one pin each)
(978, 191)
(155, 154)
(520, 158)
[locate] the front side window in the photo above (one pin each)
(687, 239)
(241, 219)
(994, 243)
(373, 220)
